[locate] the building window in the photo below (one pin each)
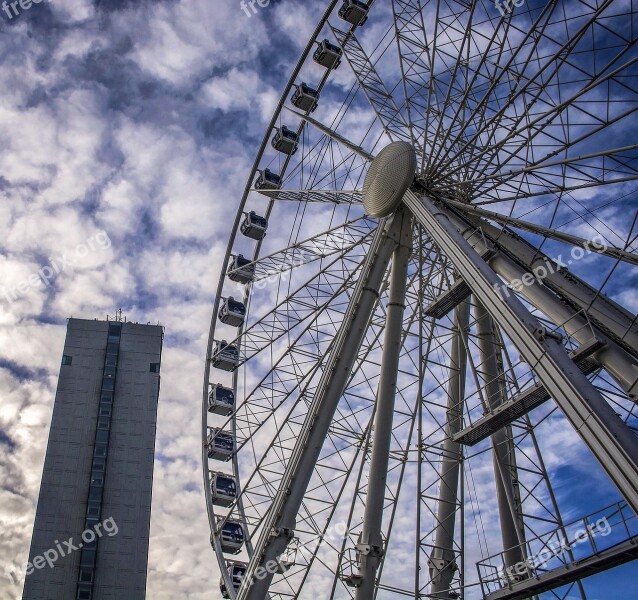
(66, 359)
(155, 367)
(95, 494)
(86, 575)
(112, 348)
(98, 464)
(87, 558)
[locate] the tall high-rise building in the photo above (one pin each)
(91, 531)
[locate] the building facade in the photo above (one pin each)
(91, 530)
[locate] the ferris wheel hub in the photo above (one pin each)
(389, 177)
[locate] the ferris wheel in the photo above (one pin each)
(422, 369)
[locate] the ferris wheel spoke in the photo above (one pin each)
(340, 239)
(324, 196)
(380, 98)
(608, 170)
(519, 135)
(536, 34)
(310, 298)
(542, 191)
(612, 167)
(504, 112)
(608, 437)
(285, 377)
(416, 68)
(454, 77)
(602, 248)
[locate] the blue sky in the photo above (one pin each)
(127, 131)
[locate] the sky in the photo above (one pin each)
(127, 131)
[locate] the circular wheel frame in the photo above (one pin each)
(405, 386)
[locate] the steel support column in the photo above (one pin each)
(616, 320)
(619, 363)
(279, 524)
(370, 546)
(614, 445)
(442, 561)
(491, 371)
(615, 360)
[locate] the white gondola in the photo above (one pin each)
(241, 270)
(223, 489)
(328, 55)
(220, 444)
(232, 312)
(305, 97)
(285, 140)
(225, 356)
(231, 536)
(254, 226)
(354, 11)
(237, 572)
(267, 181)
(221, 400)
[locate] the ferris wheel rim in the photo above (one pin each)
(218, 296)
(225, 265)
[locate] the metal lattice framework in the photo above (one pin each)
(415, 396)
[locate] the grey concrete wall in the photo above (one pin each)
(122, 558)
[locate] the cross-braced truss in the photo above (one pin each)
(436, 426)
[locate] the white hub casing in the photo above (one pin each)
(389, 176)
